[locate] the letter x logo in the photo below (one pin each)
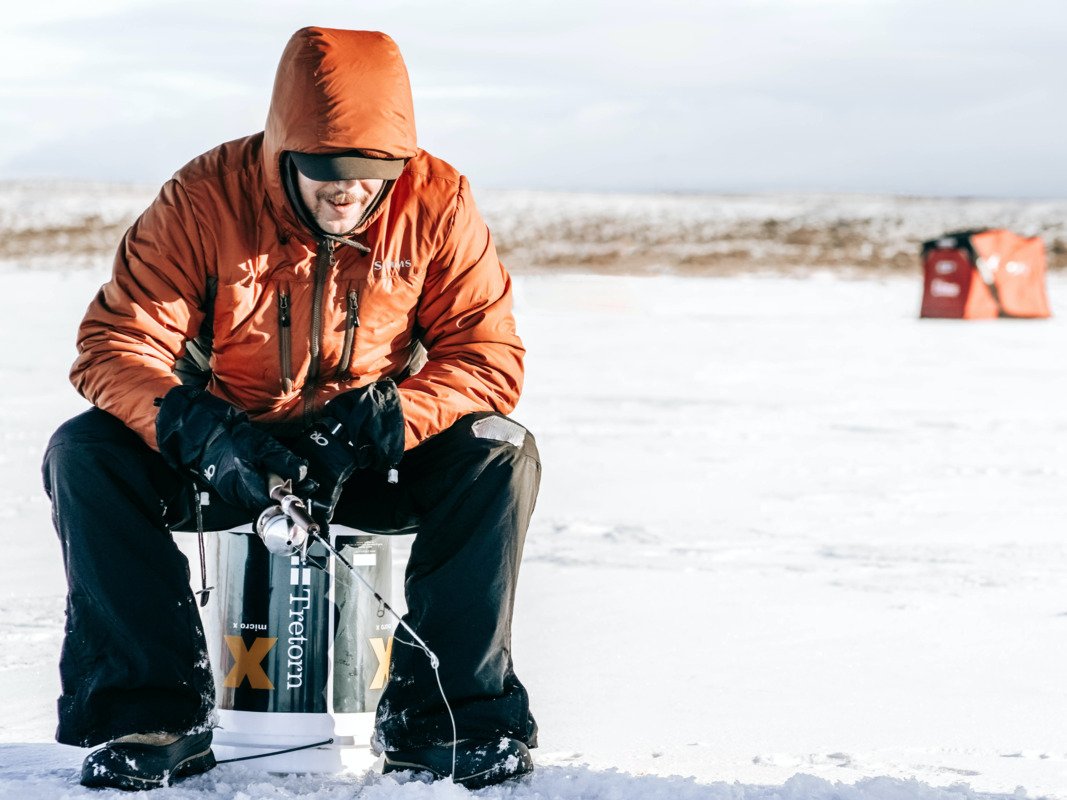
(248, 663)
(383, 649)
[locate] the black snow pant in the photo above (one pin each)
(134, 656)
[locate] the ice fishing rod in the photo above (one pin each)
(288, 528)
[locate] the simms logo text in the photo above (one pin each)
(395, 265)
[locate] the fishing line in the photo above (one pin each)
(276, 752)
(418, 643)
(286, 528)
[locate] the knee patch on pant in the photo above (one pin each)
(499, 429)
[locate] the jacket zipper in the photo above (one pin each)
(351, 323)
(284, 340)
(324, 262)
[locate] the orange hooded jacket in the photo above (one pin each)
(294, 320)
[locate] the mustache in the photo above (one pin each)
(340, 198)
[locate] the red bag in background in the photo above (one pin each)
(984, 274)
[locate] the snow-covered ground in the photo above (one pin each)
(792, 543)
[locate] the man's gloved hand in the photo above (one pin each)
(374, 423)
(199, 432)
(331, 461)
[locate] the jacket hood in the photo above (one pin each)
(338, 90)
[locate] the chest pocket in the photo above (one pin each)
(344, 364)
(285, 337)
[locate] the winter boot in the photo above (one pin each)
(478, 764)
(148, 761)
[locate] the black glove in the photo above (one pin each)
(198, 432)
(374, 423)
(330, 459)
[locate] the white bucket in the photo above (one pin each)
(299, 654)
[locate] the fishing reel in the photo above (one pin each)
(288, 527)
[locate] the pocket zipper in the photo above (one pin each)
(284, 339)
(351, 323)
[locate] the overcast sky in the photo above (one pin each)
(959, 97)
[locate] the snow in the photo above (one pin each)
(40, 773)
(792, 543)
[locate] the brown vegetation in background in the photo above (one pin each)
(768, 245)
(89, 238)
(771, 245)
(701, 235)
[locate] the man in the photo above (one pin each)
(283, 277)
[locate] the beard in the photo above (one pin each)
(339, 212)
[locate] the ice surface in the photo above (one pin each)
(786, 529)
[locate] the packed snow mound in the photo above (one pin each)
(50, 772)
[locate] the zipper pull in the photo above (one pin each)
(331, 245)
(283, 308)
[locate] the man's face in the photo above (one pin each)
(337, 205)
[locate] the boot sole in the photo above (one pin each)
(478, 780)
(193, 765)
